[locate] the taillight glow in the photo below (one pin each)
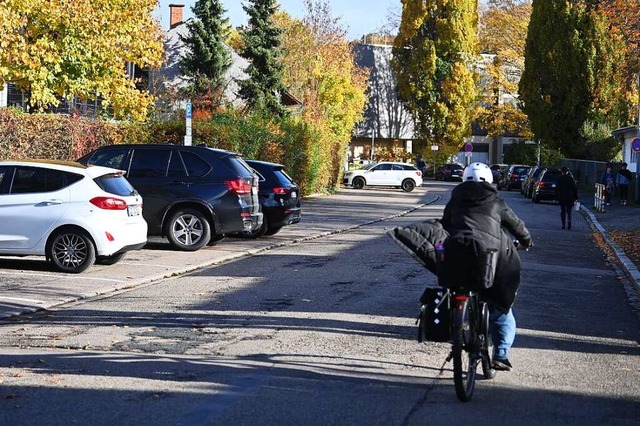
(280, 191)
(239, 186)
(109, 236)
(109, 203)
(460, 298)
(419, 173)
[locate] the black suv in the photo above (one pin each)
(193, 195)
(279, 198)
(514, 176)
(449, 172)
(544, 187)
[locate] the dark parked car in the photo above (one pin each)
(544, 187)
(529, 179)
(279, 198)
(449, 172)
(193, 195)
(513, 177)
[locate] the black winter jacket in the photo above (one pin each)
(566, 189)
(475, 209)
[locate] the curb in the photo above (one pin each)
(628, 266)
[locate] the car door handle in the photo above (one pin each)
(52, 202)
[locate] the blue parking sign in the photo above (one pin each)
(187, 110)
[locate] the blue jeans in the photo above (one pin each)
(503, 332)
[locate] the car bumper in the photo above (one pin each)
(278, 217)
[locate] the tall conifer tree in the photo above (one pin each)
(262, 48)
(207, 58)
(571, 75)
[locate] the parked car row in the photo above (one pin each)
(91, 211)
(539, 183)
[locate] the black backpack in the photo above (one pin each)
(467, 263)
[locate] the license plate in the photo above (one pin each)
(134, 210)
(294, 195)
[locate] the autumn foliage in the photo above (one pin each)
(58, 49)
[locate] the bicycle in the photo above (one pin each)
(471, 342)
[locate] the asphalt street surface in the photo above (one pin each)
(314, 326)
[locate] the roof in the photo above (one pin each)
(621, 131)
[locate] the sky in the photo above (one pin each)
(358, 17)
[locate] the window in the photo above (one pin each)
(383, 167)
(115, 184)
(149, 163)
(114, 158)
(195, 165)
(176, 168)
(29, 180)
(5, 176)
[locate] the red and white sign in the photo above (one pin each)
(635, 144)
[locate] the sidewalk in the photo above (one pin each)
(620, 228)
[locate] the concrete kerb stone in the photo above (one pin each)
(233, 256)
(628, 266)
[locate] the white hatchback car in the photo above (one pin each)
(400, 175)
(72, 214)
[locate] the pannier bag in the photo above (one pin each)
(435, 315)
(467, 264)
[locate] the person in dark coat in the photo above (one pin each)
(623, 180)
(476, 211)
(566, 194)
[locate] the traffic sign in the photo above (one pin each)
(188, 110)
(635, 144)
(468, 147)
(434, 147)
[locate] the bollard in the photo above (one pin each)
(598, 197)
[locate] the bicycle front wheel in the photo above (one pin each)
(465, 363)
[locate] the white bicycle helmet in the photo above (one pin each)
(477, 172)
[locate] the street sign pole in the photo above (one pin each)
(434, 148)
(187, 117)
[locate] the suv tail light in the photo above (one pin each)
(419, 173)
(239, 186)
(109, 203)
(280, 190)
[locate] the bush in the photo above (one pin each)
(309, 153)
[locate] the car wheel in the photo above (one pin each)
(110, 260)
(273, 231)
(358, 183)
(408, 185)
(188, 230)
(256, 233)
(71, 251)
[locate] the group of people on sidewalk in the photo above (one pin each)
(620, 180)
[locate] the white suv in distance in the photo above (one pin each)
(72, 214)
(400, 175)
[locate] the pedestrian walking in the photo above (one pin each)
(609, 185)
(566, 194)
(422, 166)
(623, 179)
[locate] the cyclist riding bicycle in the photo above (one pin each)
(475, 211)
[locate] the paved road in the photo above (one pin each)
(321, 331)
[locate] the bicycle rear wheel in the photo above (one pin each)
(486, 344)
(465, 362)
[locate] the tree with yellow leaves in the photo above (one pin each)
(432, 58)
(58, 49)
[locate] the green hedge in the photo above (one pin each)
(311, 159)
